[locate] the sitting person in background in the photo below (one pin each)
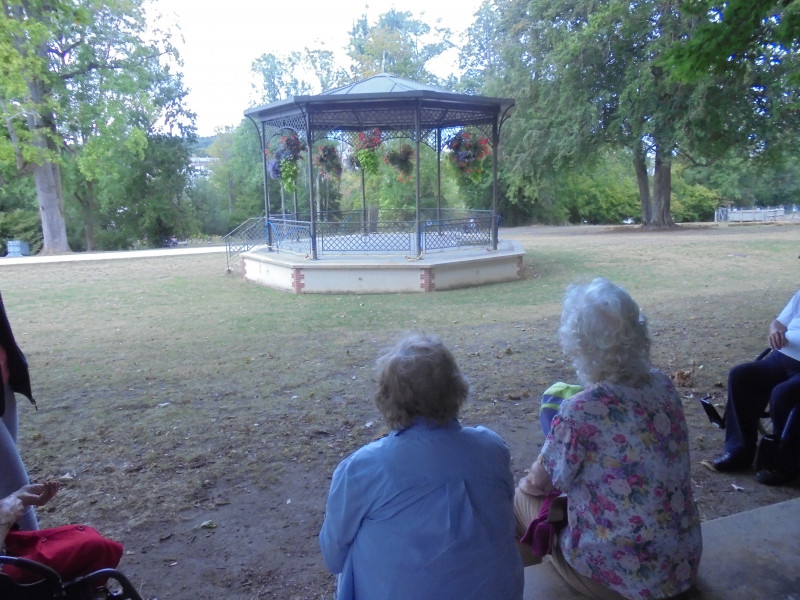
(773, 381)
(551, 402)
(619, 451)
(426, 512)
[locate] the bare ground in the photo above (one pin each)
(217, 485)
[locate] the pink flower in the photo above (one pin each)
(611, 577)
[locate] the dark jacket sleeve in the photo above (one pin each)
(18, 376)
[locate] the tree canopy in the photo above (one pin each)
(79, 79)
(587, 76)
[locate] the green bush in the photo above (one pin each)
(693, 202)
(21, 224)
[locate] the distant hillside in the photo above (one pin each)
(202, 144)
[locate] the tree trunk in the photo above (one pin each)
(87, 203)
(643, 181)
(51, 208)
(47, 176)
(662, 190)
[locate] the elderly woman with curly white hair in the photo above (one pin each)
(619, 451)
(427, 511)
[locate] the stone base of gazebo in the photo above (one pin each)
(338, 274)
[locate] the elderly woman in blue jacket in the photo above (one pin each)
(426, 512)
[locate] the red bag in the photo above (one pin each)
(70, 550)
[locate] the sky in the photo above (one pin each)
(221, 39)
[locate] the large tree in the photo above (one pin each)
(737, 34)
(586, 75)
(398, 44)
(75, 71)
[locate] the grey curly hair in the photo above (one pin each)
(419, 377)
(604, 333)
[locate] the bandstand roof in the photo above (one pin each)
(387, 102)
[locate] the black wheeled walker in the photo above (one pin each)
(46, 584)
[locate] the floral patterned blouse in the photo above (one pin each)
(621, 454)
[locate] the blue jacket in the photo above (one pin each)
(426, 512)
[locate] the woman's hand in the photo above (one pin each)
(13, 506)
(538, 481)
(37, 494)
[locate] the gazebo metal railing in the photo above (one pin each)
(384, 232)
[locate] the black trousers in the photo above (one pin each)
(774, 382)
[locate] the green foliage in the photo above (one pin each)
(368, 161)
(141, 200)
(599, 193)
(397, 43)
(211, 216)
(694, 203)
(85, 82)
(20, 224)
(737, 35)
(588, 76)
(236, 180)
(744, 183)
(18, 192)
(289, 173)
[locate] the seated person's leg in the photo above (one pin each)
(784, 465)
(12, 471)
(526, 509)
(749, 387)
(784, 398)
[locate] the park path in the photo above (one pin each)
(78, 256)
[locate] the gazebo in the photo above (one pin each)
(395, 108)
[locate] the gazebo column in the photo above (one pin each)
(262, 140)
(495, 143)
(311, 204)
(417, 135)
(363, 202)
(438, 175)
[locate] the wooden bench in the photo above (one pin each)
(754, 555)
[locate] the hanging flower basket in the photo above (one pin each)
(402, 159)
(365, 150)
(467, 153)
(283, 164)
(329, 162)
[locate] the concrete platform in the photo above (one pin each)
(364, 274)
(754, 555)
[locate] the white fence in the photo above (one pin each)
(750, 215)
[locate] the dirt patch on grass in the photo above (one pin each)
(198, 418)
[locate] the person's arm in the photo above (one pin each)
(11, 509)
(777, 335)
(343, 516)
(13, 506)
(538, 481)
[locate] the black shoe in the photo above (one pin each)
(774, 476)
(729, 463)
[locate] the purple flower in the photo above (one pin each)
(274, 168)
